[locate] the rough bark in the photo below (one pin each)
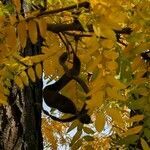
(20, 127)
(20, 121)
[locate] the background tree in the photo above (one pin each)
(112, 41)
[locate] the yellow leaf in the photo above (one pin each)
(143, 91)
(107, 32)
(107, 43)
(38, 58)
(114, 82)
(113, 93)
(91, 43)
(17, 5)
(24, 78)
(136, 118)
(139, 81)
(18, 81)
(13, 19)
(144, 144)
(96, 100)
(97, 85)
(111, 54)
(38, 69)
(97, 30)
(31, 74)
(136, 63)
(112, 65)
(4, 51)
(128, 49)
(32, 27)
(94, 2)
(133, 130)
(3, 99)
(11, 40)
(49, 68)
(118, 17)
(22, 33)
(116, 116)
(100, 122)
(139, 49)
(42, 27)
(93, 64)
(6, 91)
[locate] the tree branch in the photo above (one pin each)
(56, 28)
(67, 27)
(50, 12)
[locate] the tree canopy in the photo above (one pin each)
(111, 39)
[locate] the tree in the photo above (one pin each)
(111, 39)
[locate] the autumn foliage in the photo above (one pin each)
(111, 38)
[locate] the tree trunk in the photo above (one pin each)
(20, 121)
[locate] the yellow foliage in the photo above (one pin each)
(106, 43)
(11, 39)
(144, 144)
(96, 100)
(42, 27)
(108, 33)
(116, 116)
(139, 49)
(94, 63)
(17, 5)
(13, 19)
(91, 43)
(49, 67)
(22, 33)
(39, 71)
(136, 63)
(143, 91)
(24, 77)
(112, 65)
(98, 83)
(139, 81)
(3, 99)
(31, 74)
(114, 82)
(99, 53)
(111, 54)
(38, 58)
(115, 94)
(4, 51)
(133, 130)
(49, 136)
(32, 27)
(136, 118)
(18, 81)
(100, 122)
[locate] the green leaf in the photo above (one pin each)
(147, 122)
(88, 138)
(80, 127)
(73, 125)
(131, 139)
(77, 145)
(147, 133)
(144, 144)
(88, 130)
(76, 137)
(89, 147)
